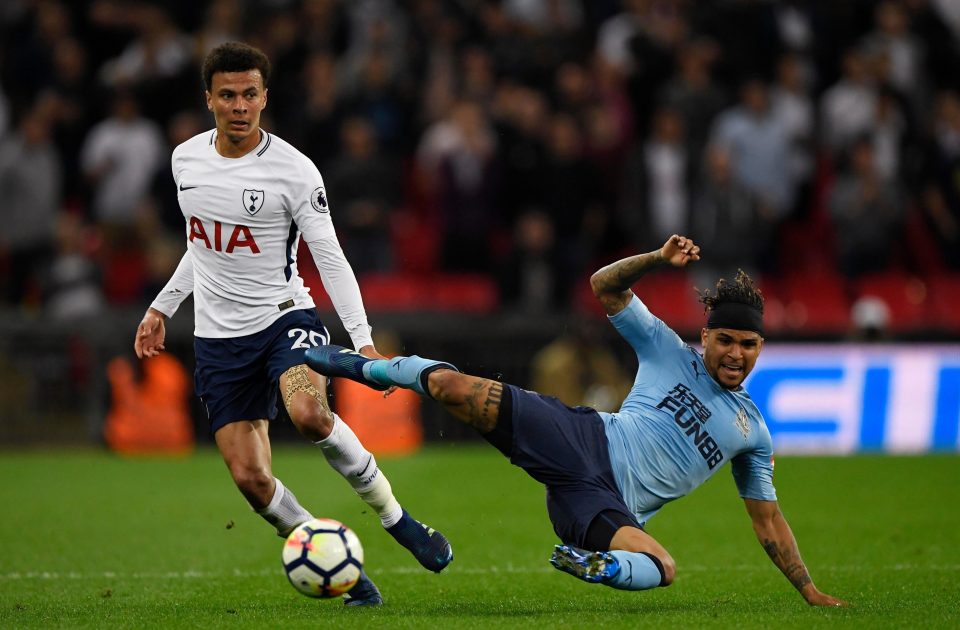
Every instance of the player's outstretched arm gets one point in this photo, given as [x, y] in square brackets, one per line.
[151, 334]
[611, 284]
[777, 540]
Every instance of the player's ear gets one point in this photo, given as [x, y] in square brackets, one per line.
[209, 100]
[703, 337]
[266, 92]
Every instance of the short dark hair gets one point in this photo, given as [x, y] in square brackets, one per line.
[235, 57]
[741, 290]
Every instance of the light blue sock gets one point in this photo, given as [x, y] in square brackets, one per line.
[376, 370]
[638, 572]
[402, 371]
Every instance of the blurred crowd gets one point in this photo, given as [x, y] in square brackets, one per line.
[525, 140]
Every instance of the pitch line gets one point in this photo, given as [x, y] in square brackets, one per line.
[489, 570]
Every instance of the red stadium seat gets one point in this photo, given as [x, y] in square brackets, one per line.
[583, 299]
[815, 303]
[466, 293]
[944, 302]
[774, 309]
[671, 296]
[905, 295]
[125, 276]
[408, 291]
[416, 243]
[917, 237]
[391, 292]
[462, 293]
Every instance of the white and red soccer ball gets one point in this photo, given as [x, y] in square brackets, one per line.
[323, 558]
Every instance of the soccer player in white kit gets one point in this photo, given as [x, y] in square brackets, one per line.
[247, 196]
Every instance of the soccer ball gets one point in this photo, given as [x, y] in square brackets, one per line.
[323, 558]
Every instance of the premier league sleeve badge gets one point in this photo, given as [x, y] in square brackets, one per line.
[319, 200]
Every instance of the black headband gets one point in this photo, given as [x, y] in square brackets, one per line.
[736, 316]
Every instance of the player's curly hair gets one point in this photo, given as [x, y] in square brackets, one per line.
[741, 290]
[235, 57]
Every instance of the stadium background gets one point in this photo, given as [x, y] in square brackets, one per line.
[482, 158]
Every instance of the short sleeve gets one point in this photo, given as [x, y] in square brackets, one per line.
[753, 473]
[647, 334]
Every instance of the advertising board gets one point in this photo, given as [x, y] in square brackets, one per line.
[849, 398]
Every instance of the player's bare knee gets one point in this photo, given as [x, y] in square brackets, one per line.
[667, 565]
[638, 541]
[313, 421]
[669, 569]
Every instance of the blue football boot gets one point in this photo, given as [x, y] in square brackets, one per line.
[589, 566]
[428, 546]
[364, 593]
[332, 360]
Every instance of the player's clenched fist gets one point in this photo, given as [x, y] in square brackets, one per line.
[679, 250]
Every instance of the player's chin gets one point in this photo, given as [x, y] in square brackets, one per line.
[732, 380]
[237, 133]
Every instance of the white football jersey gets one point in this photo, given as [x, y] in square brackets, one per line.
[244, 217]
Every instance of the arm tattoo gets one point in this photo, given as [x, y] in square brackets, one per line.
[771, 548]
[789, 562]
[492, 404]
[483, 405]
[621, 275]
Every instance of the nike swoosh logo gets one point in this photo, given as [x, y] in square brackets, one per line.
[369, 461]
[182, 187]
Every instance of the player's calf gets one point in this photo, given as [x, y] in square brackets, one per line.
[254, 481]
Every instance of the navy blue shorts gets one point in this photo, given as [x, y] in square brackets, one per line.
[237, 378]
[565, 449]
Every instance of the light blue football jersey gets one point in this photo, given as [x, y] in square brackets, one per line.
[678, 426]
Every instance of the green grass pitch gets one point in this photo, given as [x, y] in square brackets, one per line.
[92, 540]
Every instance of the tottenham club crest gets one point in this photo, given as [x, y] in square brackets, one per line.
[743, 423]
[319, 200]
[252, 201]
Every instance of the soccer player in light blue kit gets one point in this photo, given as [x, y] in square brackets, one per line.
[608, 473]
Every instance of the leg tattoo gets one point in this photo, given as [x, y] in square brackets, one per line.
[298, 380]
[482, 405]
